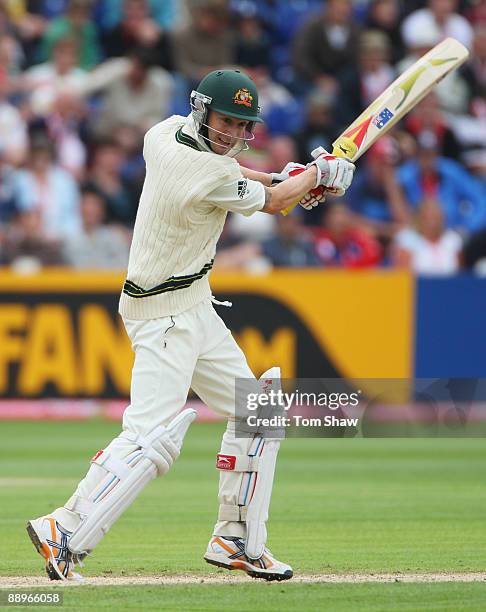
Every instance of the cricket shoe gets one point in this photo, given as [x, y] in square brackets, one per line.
[51, 541]
[230, 553]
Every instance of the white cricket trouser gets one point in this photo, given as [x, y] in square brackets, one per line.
[193, 349]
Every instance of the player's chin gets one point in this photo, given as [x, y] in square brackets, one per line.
[221, 147]
[218, 149]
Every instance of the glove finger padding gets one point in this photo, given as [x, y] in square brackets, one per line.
[313, 197]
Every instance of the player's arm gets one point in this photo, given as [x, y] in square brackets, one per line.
[273, 178]
[261, 177]
[288, 192]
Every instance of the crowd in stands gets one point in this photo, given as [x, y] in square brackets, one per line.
[82, 80]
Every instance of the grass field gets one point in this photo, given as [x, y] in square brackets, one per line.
[342, 507]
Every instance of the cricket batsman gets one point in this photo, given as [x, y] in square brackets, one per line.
[192, 181]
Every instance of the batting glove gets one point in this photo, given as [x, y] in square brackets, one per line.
[291, 169]
[313, 197]
[333, 173]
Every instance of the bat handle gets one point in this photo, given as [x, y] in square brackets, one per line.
[337, 152]
[315, 154]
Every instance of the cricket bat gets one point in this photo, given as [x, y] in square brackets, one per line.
[397, 100]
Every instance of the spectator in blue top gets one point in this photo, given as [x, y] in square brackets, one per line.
[109, 13]
[44, 186]
[291, 247]
[462, 197]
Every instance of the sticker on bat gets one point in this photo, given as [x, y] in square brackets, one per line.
[383, 118]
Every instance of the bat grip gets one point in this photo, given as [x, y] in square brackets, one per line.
[315, 154]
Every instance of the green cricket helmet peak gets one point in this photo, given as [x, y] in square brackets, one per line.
[231, 93]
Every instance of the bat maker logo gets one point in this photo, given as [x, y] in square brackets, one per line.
[383, 118]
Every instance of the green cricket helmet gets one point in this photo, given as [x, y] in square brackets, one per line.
[229, 92]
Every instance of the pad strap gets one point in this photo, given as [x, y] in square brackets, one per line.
[78, 504]
[235, 514]
[111, 464]
[143, 441]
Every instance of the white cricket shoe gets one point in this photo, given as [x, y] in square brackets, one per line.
[51, 541]
[230, 553]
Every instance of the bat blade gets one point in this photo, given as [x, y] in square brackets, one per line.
[397, 100]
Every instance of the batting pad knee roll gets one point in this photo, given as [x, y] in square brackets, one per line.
[152, 456]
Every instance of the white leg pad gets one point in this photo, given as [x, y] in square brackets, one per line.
[246, 480]
[153, 455]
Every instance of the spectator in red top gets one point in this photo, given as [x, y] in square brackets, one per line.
[476, 14]
[339, 242]
[427, 116]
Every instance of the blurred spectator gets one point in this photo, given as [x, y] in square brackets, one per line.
[255, 228]
[319, 128]
[129, 139]
[326, 44]
[285, 17]
[375, 195]
[74, 24]
[280, 110]
[428, 248]
[12, 57]
[44, 186]
[267, 153]
[291, 246]
[476, 14]
[46, 81]
[461, 196]
[32, 18]
[206, 43]
[26, 247]
[13, 131]
[364, 82]
[384, 16]
[427, 116]
[64, 125]
[253, 44]
[441, 18]
[105, 177]
[7, 196]
[236, 253]
[139, 98]
[31, 28]
[110, 13]
[474, 73]
[474, 253]
[97, 245]
[339, 242]
[138, 29]
[470, 129]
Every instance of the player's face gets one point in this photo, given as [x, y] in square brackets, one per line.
[224, 132]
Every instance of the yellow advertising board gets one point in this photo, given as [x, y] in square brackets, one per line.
[60, 335]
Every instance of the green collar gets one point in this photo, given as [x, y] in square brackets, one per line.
[187, 140]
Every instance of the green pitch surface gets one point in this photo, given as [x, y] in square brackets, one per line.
[341, 507]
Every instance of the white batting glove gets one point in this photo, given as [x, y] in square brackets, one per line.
[333, 173]
[291, 169]
[313, 197]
